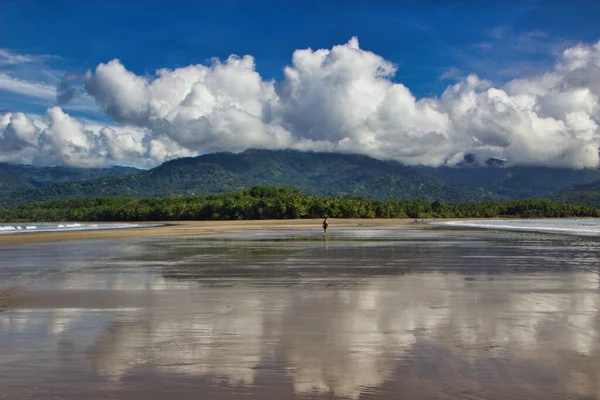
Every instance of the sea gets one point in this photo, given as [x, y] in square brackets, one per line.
[569, 226]
[64, 227]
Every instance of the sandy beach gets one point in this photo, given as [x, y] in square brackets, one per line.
[195, 228]
[269, 310]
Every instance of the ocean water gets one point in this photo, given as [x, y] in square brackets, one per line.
[64, 227]
[569, 226]
[409, 312]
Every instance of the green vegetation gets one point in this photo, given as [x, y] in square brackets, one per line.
[581, 195]
[320, 174]
[23, 177]
[268, 202]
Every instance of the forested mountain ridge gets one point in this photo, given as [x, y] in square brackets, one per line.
[322, 174]
[586, 194]
[15, 177]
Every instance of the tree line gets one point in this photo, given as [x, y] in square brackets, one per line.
[268, 202]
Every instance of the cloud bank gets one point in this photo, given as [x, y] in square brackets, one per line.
[339, 99]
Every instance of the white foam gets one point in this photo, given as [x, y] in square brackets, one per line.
[565, 226]
[65, 227]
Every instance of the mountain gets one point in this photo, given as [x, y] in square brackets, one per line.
[323, 174]
[516, 182]
[326, 174]
[588, 194]
[18, 177]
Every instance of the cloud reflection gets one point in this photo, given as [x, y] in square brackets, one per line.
[333, 338]
[333, 331]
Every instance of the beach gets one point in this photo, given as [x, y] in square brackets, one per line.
[195, 228]
[270, 309]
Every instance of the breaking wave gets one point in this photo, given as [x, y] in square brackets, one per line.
[587, 227]
[65, 227]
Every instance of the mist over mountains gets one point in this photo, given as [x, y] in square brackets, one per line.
[318, 173]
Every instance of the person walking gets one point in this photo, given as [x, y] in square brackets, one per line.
[325, 226]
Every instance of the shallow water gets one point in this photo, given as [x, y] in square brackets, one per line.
[413, 313]
[15, 228]
[571, 226]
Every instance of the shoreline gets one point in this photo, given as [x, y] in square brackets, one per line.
[201, 228]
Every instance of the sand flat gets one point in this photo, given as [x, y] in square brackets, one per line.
[193, 228]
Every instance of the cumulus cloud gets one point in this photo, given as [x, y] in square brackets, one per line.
[200, 108]
[65, 141]
[339, 99]
[18, 138]
[60, 139]
[345, 96]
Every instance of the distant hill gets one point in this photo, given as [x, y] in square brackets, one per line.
[18, 177]
[323, 174]
[588, 194]
[516, 182]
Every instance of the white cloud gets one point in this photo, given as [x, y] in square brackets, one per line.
[338, 99]
[65, 141]
[451, 73]
[18, 138]
[27, 88]
[59, 139]
[122, 146]
[47, 94]
[34, 78]
[9, 57]
[123, 94]
[201, 108]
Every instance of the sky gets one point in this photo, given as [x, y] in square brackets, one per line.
[99, 83]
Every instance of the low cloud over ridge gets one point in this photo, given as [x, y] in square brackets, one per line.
[339, 99]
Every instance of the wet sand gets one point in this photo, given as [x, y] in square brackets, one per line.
[195, 228]
[385, 309]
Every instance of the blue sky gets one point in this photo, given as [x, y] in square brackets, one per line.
[497, 40]
[432, 44]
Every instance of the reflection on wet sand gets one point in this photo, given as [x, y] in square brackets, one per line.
[386, 319]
